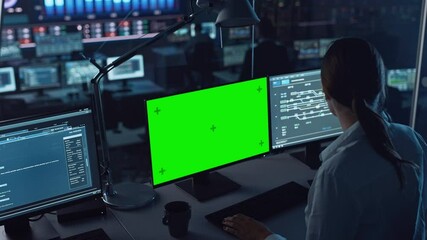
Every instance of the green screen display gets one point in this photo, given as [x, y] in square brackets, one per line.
[205, 129]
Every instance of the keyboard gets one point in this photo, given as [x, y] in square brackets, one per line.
[264, 205]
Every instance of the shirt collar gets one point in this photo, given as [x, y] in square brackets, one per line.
[351, 134]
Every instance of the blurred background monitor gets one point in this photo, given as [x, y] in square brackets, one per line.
[131, 69]
[181, 35]
[38, 77]
[42, 11]
[79, 72]
[402, 79]
[207, 28]
[239, 33]
[10, 51]
[307, 49]
[52, 45]
[234, 55]
[7, 80]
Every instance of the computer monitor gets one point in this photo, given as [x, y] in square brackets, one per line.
[57, 45]
[234, 55]
[205, 130]
[79, 72]
[239, 33]
[54, 11]
[300, 113]
[208, 28]
[48, 162]
[38, 77]
[402, 79]
[307, 49]
[10, 51]
[7, 80]
[131, 69]
[180, 35]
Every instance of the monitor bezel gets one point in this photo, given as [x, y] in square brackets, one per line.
[261, 155]
[298, 144]
[60, 202]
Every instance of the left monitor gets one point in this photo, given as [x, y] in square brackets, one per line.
[47, 162]
[191, 134]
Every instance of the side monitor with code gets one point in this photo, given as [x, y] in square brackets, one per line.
[196, 132]
[299, 111]
[47, 162]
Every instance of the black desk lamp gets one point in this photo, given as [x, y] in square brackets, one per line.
[231, 13]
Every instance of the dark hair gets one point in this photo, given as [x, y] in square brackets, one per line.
[353, 74]
[198, 27]
[266, 28]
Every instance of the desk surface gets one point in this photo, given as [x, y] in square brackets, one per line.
[255, 176]
[107, 222]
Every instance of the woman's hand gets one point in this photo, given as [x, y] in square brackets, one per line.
[245, 228]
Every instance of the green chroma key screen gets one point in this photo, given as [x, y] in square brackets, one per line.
[205, 129]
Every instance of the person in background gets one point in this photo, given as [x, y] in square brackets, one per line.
[200, 56]
[270, 57]
[371, 183]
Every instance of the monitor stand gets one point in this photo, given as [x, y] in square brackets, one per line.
[43, 99]
[125, 87]
[21, 228]
[205, 186]
[311, 155]
[41, 95]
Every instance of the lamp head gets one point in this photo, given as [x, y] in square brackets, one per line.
[231, 13]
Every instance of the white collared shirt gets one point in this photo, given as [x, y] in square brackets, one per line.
[356, 193]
